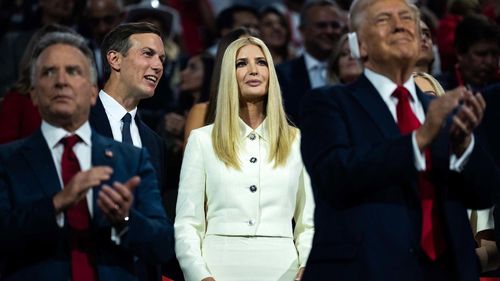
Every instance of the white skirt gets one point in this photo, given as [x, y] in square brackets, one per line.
[238, 258]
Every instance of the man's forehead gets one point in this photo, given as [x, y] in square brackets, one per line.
[318, 12]
[244, 18]
[389, 5]
[485, 45]
[149, 39]
[99, 5]
[59, 50]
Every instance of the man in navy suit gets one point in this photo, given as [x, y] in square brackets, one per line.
[321, 24]
[134, 57]
[391, 194]
[75, 205]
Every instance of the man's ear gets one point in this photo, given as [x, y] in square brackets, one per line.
[363, 51]
[114, 59]
[93, 95]
[302, 30]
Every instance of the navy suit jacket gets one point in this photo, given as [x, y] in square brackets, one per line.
[489, 126]
[490, 137]
[32, 245]
[294, 82]
[368, 216]
[150, 140]
[156, 147]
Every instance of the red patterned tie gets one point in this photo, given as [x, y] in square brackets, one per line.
[78, 218]
[431, 241]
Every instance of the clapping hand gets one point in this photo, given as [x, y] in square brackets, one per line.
[115, 202]
[467, 118]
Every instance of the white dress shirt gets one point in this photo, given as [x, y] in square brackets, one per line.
[115, 112]
[257, 200]
[385, 88]
[316, 70]
[82, 149]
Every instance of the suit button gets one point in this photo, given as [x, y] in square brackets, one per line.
[251, 222]
[411, 251]
[251, 136]
[253, 188]
[253, 160]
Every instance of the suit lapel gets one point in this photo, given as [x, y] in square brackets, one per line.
[301, 72]
[370, 100]
[99, 120]
[102, 155]
[37, 154]
[147, 140]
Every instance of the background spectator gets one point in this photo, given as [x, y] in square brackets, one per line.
[321, 24]
[274, 31]
[456, 11]
[342, 67]
[13, 44]
[99, 18]
[233, 17]
[477, 48]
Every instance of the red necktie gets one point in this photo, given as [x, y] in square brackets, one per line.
[78, 218]
[431, 240]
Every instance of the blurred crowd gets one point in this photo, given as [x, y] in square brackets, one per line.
[308, 41]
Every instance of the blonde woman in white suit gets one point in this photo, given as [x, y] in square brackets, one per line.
[243, 181]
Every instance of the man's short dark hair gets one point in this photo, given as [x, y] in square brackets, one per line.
[225, 19]
[474, 29]
[118, 39]
[311, 4]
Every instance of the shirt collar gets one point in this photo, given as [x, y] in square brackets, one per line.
[311, 62]
[113, 108]
[261, 130]
[386, 87]
[53, 135]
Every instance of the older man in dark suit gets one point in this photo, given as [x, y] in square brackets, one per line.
[391, 175]
[75, 205]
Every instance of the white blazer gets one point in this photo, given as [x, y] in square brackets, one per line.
[257, 200]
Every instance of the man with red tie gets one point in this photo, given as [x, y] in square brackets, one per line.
[75, 205]
[392, 169]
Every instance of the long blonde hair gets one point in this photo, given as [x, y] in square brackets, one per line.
[226, 132]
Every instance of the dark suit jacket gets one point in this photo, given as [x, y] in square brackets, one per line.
[489, 129]
[294, 83]
[368, 216]
[32, 245]
[156, 147]
[150, 140]
[490, 136]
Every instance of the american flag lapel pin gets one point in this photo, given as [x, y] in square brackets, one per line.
[108, 153]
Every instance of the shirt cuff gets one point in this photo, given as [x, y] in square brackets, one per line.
[60, 220]
[117, 235]
[485, 219]
[458, 164]
[418, 156]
